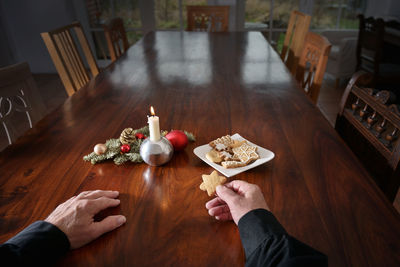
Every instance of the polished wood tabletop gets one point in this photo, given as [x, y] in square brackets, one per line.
[212, 85]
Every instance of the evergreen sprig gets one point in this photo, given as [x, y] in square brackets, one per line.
[190, 136]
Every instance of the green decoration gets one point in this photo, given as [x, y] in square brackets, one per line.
[114, 149]
[190, 136]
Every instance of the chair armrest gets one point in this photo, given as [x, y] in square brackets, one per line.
[335, 37]
[346, 59]
[348, 48]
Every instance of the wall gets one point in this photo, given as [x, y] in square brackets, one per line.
[22, 22]
[386, 9]
[7, 53]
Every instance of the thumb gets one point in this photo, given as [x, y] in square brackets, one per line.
[226, 194]
[108, 224]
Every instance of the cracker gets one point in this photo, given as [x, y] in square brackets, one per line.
[210, 182]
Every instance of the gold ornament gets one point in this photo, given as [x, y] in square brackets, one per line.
[100, 149]
[127, 136]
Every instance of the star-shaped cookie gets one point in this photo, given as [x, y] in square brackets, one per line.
[210, 182]
[246, 153]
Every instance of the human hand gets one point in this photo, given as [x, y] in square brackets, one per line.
[75, 216]
[234, 200]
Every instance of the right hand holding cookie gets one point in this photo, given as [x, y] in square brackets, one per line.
[234, 200]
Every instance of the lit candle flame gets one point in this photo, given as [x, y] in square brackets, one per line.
[152, 111]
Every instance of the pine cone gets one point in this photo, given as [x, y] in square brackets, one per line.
[127, 136]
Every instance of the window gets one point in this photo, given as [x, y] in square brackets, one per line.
[349, 14]
[171, 14]
[336, 14]
[325, 14]
[257, 14]
[101, 11]
[282, 11]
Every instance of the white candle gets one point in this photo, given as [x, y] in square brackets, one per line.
[154, 126]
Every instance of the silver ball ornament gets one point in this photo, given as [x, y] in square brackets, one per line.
[100, 149]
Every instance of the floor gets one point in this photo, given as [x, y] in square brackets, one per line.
[329, 98]
[53, 95]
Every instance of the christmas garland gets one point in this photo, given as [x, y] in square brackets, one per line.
[126, 148]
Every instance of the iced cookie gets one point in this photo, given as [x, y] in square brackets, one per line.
[232, 164]
[222, 144]
[246, 153]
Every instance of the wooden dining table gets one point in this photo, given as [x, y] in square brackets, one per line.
[210, 84]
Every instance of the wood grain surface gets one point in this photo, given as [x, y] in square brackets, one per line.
[212, 85]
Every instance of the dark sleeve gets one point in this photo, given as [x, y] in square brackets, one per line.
[40, 244]
[266, 243]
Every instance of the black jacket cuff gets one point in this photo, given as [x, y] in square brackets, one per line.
[255, 226]
[40, 243]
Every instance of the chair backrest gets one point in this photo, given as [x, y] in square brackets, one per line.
[297, 29]
[311, 68]
[208, 18]
[370, 44]
[117, 41]
[66, 56]
[369, 123]
[20, 103]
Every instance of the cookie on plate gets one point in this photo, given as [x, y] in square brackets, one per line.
[246, 153]
[214, 156]
[225, 155]
[232, 164]
[222, 144]
[237, 143]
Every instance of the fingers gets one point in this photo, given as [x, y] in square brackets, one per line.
[107, 224]
[224, 217]
[226, 194]
[219, 209]
[99, 204]
[239, 186]
[215, 202]
[97, 194]
[216, 211]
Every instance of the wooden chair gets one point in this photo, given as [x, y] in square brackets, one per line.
[208, 18]
[373, 56]
[20, 104]
[117, 41]
[312, 64]
[369, 123]
[297, 29]
[370, 44]
[66, 57]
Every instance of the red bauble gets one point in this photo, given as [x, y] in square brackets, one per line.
[140, 136]
[178, 139]
[125, 148]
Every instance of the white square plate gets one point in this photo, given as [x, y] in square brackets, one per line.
[265, 156]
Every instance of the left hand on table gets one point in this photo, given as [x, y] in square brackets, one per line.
[75, 216]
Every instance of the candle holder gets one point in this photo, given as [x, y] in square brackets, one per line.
[156, 153]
